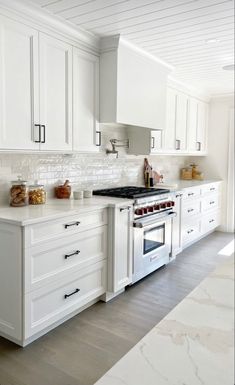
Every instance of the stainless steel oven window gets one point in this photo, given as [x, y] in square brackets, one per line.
[153, 238]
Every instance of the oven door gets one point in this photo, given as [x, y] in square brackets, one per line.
[152, 245]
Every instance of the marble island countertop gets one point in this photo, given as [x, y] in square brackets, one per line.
[192, 345]
[56, 208]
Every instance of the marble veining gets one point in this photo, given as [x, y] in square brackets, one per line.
[192, 345]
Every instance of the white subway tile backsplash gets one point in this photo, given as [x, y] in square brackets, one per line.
[84, 170]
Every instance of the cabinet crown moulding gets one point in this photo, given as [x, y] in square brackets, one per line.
[111, 43]
[35, 15]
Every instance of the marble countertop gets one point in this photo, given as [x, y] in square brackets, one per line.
[182, 184]
[192, 345]
[56, 208]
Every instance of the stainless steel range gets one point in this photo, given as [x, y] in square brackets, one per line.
[152, 226]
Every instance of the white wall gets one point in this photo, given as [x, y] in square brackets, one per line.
[215, 165]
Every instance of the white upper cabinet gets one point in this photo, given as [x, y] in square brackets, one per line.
[55, 94]
[192, 124]
[18, 85]
[181, 121]
[202, 122]
[169, 133]
[133, 86]
[197, 125]
[86, 134]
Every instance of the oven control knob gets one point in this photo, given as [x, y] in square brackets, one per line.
[139, 211]
[163, 205]
[172, 203]
[157, 207]
[145, 210]
[150, 209]
[169, 204]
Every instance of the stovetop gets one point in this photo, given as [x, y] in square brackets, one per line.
[131, 192]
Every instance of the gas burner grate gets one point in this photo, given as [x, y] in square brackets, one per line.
[131, 192]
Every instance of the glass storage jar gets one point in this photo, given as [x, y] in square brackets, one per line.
[37, 194]
[19, 193]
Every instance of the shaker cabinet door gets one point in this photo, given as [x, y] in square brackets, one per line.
[202, 125]
[169, 132]
[122, 247]
[55, 94]
[18, 86]
[192, 124]
[86, 135]
[181, 121]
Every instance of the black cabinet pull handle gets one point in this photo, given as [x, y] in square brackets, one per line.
[70, 255]
[190, 210]
[212, 188]
[198, 146]
[99, 137]
[178, 144]
[212, 220]
[44, 133]
[190, 194]
[39, 135]
[153, 142]
[212, 202]
[73, 292]
[72, 224]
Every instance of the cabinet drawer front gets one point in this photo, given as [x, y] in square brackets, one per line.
[210, 188]
[191, 208]
[52, 303]
[191, 193]
[210, 222]
[210, 202]
[191, 231]
[44, 264]
[62, 227]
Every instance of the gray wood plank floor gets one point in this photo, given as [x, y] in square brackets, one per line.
[81, 350]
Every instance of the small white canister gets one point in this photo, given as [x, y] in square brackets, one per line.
[88, 193]
[78, 194]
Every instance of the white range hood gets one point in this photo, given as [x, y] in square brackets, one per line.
[132, 85]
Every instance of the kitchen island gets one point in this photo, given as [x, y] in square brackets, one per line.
[192, 345]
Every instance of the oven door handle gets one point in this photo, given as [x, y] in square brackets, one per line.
[144, 223]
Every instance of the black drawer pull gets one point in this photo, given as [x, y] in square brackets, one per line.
[212, 188]
[72, 224]
[212, 220]
[70, 255]
[212, 202]
[189, 194]
[69, 295]
[99, 138]
[190, 210]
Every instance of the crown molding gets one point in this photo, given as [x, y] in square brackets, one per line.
[41, 19]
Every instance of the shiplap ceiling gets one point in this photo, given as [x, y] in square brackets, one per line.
[177, 31]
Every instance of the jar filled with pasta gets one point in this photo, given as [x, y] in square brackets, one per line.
[37, 194]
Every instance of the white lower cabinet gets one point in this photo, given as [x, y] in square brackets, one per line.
[52, 303]
[54, 268]
[200, 212]
[120, 248]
